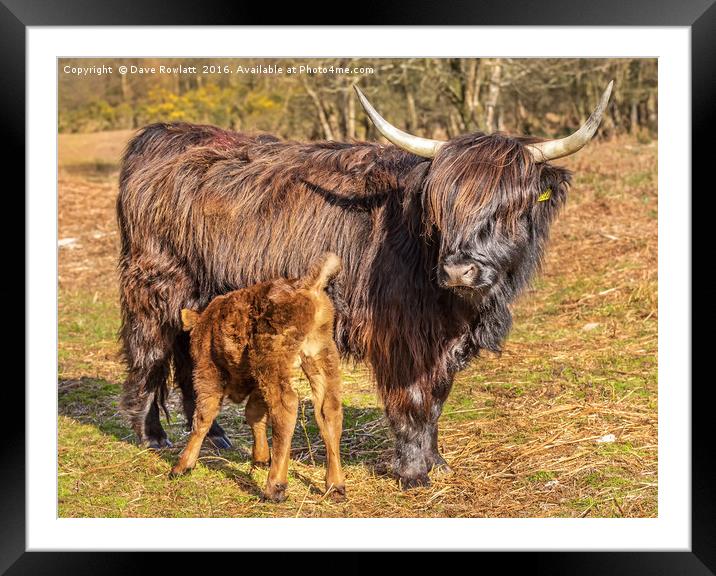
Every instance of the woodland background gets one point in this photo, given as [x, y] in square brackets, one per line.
[438, 98]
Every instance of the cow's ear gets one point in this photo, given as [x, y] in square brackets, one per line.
[554, 182]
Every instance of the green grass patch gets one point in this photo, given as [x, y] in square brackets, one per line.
[87, 391]
[541, 476]
[583, 504]
[608, 477]
[87, 318]
[641, 179]
[620, 449]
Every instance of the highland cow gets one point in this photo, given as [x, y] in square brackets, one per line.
[245, 344]
[436, 239]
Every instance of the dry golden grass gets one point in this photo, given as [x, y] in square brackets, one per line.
[99, 152]
[520, 431]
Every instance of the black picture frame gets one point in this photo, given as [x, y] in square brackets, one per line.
[699, 15]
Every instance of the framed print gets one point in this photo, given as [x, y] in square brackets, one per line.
[478, 252]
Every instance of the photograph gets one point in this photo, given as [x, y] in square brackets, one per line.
[357, 287]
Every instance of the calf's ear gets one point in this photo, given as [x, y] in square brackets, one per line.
[188, 319]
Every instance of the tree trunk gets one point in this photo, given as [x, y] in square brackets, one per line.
[335, 122]
[320, 109]
[413, 127]
[350, 114]
[652, 112]
[470, 92]
[126, 89]
[493, 97]
[454, 128]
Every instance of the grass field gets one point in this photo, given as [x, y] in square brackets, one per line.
[524, 432]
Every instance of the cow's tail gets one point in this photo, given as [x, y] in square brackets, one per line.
[322, 271]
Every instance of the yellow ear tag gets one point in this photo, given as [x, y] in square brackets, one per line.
[545, 195]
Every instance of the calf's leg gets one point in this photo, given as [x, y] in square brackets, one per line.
[323, 373]
[273, 379]
[183, 377]
[257, 417]
[209, 394]
[283, 413]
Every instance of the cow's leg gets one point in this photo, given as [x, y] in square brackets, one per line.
[433, 458]
[183, 377]
[413, 413]
[409, 463]
[155, 434]
[145, 385]
[323, 373]
[257, 417]
[153, 289]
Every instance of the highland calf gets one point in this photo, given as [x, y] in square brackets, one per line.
[246, 344]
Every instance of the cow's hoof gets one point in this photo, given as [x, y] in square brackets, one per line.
[409, 482]
[441, 467]
[220, 442]
[275, 492]
[158, 443]
[337, 493]
[385, 468]
[261, 463]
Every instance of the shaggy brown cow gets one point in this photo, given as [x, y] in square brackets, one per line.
[246, 343]
[437, 239]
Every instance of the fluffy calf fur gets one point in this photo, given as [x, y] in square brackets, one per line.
[246, 343]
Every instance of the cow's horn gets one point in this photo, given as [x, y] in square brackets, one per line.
[421, 146]
[551, 149]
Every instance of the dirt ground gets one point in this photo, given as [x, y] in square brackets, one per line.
[563, 424]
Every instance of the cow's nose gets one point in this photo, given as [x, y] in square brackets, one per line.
[462, 274]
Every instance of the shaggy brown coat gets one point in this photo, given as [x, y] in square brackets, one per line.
[203, 211]
[246, 343]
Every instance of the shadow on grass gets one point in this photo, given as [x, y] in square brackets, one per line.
[93, 169]
[365, 439]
